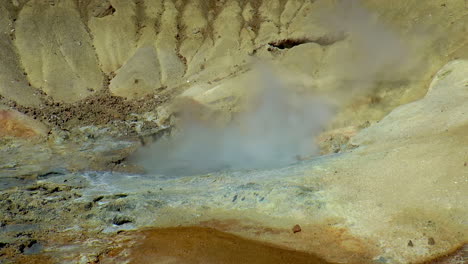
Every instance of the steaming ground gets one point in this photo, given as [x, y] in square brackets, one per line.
[276, 128]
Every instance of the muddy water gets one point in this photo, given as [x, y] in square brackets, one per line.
[187, 245]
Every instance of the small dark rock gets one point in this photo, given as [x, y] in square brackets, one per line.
[88, 206]
[49, 174]
[23, 234]
[119, 206]
[120, 220]
[99, 198]
[410, 244]
[33, 188]
[296, 229]
[431, 241]
[234, 198]
[120, 195]
[21, 248]
[382, 260]
[89, 216]
[33, 247]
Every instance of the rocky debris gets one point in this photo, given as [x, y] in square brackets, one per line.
[119, 116]
[58, 218]
[24, 214]
[88, 148]
[121, 220]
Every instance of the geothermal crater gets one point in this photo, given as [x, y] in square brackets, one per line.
[233, 131]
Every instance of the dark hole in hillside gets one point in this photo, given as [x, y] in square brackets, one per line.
[106, 12]
[288, 43]
[322, 41]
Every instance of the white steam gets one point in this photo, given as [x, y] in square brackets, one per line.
[276, 129]
[373, 51]
[278, 126]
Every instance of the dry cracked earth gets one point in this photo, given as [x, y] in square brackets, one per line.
[86, 83]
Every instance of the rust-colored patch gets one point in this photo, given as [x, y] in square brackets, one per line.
[457, 256]
[326, 240]
[15, 124]
[234, 224]
[204, 245]
[34, 259]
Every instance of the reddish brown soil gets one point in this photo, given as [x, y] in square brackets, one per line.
[187, 245]
[459, 256]
[16, 125]
[202, 245]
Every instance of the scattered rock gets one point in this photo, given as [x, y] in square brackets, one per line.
[33, 247]
[410, 243]
[296, 229]
[120, 220]
[21, 248]
[431, 241]
[88, 206]
[119, 205]
[99, 198]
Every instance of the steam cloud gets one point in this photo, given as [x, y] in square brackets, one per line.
[278, 126]
[276, 129]
[374, 51]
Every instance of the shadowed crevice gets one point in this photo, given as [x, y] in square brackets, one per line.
[293, 42]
